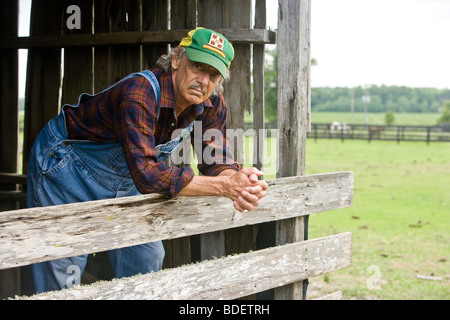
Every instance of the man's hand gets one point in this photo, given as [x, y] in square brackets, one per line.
[245, 189]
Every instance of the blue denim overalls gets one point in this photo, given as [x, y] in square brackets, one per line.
[63, 171]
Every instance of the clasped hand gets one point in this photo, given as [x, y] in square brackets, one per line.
[246, 190]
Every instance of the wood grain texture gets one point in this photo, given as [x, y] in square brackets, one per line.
[225, 278]
[39, 234]
[131, 37]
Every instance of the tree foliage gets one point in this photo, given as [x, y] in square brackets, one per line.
[383, 98]
[445, 113]
[398, 99]
[389, 117]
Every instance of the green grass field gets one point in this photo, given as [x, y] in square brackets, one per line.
[400, 218]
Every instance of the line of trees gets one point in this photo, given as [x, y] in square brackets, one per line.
[382, 98]
[397, 99]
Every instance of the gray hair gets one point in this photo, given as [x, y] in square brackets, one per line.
[165, 63]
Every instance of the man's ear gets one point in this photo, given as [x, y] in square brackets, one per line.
[175, 61]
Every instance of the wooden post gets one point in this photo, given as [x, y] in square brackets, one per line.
[237, 14]
[258, 87]
[113, 63]
[43, 73]
[9, 111]
[9, 105]
[183, 13]
[232, 14]
[293, 113]
[154, 17]
[78, 62]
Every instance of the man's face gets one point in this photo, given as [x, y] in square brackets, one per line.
[193, 82]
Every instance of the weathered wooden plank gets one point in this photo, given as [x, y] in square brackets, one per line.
[155, 18]
[258, 87]
[293, 116]
[39, 234]
[43, 73]
[13, 178]
[78, 61]
[210, 15]
[260, 36]
[9, 123]
[230, 277]
[293, 85]
[185, 12]
[9, 105]
[112, 63]
[178, 251]
[12, 195]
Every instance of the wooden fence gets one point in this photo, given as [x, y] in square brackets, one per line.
[379, 132]
[40, 234]
[115, 38]
[128, 36]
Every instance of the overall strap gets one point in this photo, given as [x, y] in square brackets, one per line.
[146, 74]
[154, 82]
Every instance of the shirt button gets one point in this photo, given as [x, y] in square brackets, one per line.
[172, 124]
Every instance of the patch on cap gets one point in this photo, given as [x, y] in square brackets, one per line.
[215, 44]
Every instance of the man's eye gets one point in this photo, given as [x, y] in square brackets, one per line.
[215, 75]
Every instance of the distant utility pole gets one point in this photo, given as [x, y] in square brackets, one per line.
[352, 104]
[366, 100]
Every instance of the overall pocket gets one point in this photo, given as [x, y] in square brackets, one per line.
[77, 173]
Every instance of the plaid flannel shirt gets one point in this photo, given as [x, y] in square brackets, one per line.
[127, 114]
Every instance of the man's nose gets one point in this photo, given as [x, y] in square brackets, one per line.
[203, 78]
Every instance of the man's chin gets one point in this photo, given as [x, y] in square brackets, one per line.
[197, 98]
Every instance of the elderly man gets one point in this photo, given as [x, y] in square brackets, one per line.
[115, 143]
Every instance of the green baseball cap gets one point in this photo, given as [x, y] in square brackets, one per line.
[210, 47]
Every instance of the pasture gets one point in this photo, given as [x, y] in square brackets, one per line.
[400, 218]
[374, 118]
[411, 119]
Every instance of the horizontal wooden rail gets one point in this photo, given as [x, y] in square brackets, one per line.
[39, 234]
[258, 36]
[14, 178]
[11, 180]
[13, 195]
[225, 278]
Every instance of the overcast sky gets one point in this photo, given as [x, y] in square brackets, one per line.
[359, 42]
[391, 42]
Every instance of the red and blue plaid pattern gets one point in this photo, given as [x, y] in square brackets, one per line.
[127, 114]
